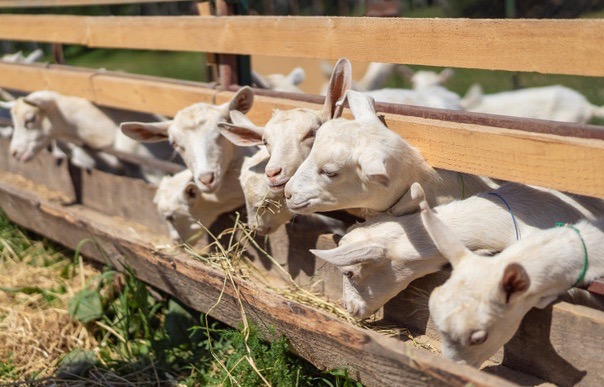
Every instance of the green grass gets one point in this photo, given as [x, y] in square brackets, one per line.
[179, 65]
[142, 336]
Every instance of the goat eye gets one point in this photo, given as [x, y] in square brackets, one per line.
[170, 218]
[478, 337]
[348, 274]
[327, 173]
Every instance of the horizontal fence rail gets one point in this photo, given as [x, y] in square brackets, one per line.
[546, 46]
[70, 3]
[565, 163]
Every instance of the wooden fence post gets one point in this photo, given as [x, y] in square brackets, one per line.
[233, 69]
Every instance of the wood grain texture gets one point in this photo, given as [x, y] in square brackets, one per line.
[43, 169]
[69, 3]
[546, 46]
[563, 163]
[562, 343]
[322, 339]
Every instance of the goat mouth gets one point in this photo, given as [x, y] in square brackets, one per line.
[25, 157]
[277, 186]
[298, 206]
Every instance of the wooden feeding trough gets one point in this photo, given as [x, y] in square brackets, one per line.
[560, 344]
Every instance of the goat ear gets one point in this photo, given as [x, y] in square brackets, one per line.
[374, 169]
[242, 131]
[34, 56]
[297, 76]
[514, 281]
[473, 97]
[340, 81]
[352, 253]
[446, 242]
[243, 100]
[405, 71]
[7, 104]
[39, 101]
[445, 75]
[362, 106]
[146, 131]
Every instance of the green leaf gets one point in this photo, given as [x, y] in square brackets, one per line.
[76, 363]
[86, 306]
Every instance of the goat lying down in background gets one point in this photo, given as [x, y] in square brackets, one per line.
[382, 256]
[481, 305]
[279, 82]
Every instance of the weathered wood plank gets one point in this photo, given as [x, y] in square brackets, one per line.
[317, 336]
[70, 3]
[547, 46]
[128, 198]
[43, 169]
[562, 343]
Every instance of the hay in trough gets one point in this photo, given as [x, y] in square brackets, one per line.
[226, 252]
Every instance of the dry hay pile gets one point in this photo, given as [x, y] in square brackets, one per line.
[36, 330]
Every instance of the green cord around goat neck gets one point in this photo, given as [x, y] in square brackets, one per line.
[463, 186]
[585, 260]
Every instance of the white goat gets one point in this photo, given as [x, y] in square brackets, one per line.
[266, 211]
[428, 92]
[375, 76]
[289, 135]
[44, 116]
[556, 103]
[382, 256]
[186, 208]
[18, 57]
[422, 80]
[279, 82]
[194, 134]
[481, 305]
[361, 164]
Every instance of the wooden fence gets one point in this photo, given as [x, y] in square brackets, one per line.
[568, 157]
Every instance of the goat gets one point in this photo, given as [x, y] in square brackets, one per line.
[481, 305]
[382, 256]
[375, 76]
[195, 135]
[186, 209]
[556, 103]
[44, 116]
[289, 135]
[279, 82]
[266, 211]
[360, 164]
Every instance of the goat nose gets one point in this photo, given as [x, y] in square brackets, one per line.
[272, 172]
[14, 153]
[206, 178]
[287, 193]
